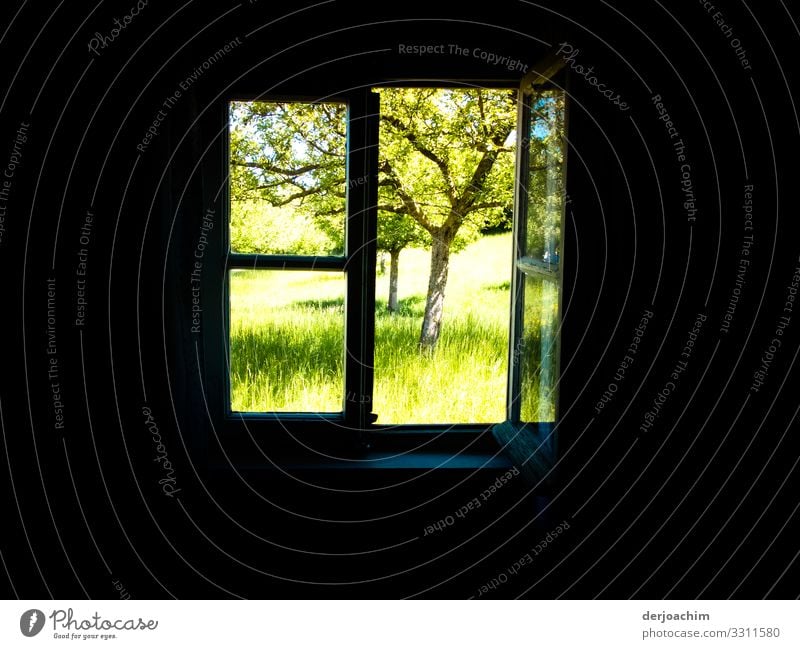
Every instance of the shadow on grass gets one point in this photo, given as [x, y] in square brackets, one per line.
[413, 306]
[324, 304]
[502, 286]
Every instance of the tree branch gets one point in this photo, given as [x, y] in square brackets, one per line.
[486, 206]
[477, 182]
[295, 196]
[395, 209]
[289, 173]
[482, 110]
[408, 201]
[325, 151]
[428, 153]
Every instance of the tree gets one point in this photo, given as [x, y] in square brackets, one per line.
[396, 232]
[445, 165]
[293, 156]
[450, 168]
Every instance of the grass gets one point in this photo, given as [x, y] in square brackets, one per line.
[287, 340]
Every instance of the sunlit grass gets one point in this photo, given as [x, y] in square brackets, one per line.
[465, 379]
[287, 340]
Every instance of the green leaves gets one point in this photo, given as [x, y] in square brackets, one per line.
[446, 162]
[451, 151]
[292, 156]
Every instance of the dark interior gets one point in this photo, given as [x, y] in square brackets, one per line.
[254, 513]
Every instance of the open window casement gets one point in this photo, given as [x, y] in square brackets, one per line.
[528, 436]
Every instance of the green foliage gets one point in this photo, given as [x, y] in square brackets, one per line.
[290, 152]
[290, 156]
[257, 227]
[446, 173]
[432, 142]
[398, 231]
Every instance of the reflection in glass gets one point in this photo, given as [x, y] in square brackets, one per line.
[286, 341]
[539, 261]
[538, 360]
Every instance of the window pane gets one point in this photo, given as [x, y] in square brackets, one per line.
[286, 340]
[446, 193]
[539, 261]
[545, 181]
[287, 177]
[538, 349]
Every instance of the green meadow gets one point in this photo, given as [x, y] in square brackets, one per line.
[287, 340]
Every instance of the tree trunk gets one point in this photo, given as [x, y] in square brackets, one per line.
[394, 272]
[434, 305]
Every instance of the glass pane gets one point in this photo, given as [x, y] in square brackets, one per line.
[286, 340]
[545, 182]
[539, 349]
[287, 177]
[445, 255]
[539, 262]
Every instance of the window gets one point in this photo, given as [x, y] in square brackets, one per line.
[298, 340]
[394, 258]
[537, 279]
[286, 283]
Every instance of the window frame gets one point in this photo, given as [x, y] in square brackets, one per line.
[528, 86]
[324, 437]
[357, 262]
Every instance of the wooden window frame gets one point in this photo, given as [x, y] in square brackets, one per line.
[349, 437]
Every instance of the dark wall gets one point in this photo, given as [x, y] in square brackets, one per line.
[681, 502]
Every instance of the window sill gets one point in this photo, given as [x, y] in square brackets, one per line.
[418, 450]
[380, 462]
